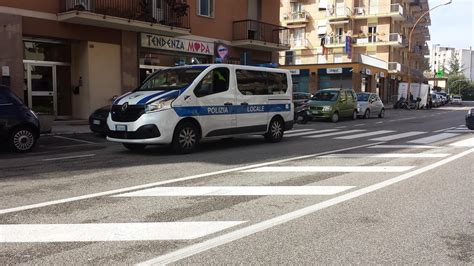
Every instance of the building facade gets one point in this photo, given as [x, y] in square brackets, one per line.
[70, 57]
[441, 56]
[362, 44]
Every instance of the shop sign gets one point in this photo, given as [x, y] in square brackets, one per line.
[294, 71]
[382, 74]
[334, 70]
[176, 44]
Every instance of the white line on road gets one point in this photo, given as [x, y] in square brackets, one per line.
[368, 134]
[259, 227]
[297, 130]
[434, 138]
[399, 136]
[403, 147]
[359, 125]
[460, 131]
[335, 134]
[310, 133]
[181, 179]
[464, 143]
[46, 233]
[381, 122]
[77, 140]
[387, 155]
[441, 130]
[329, 169]
[237, 191]
[68, 157]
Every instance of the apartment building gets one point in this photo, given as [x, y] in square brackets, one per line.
[441, 56]
[361, 44]
[72, 56]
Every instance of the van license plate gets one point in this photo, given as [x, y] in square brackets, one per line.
[120, 127]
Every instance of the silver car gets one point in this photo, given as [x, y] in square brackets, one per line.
[370, 104]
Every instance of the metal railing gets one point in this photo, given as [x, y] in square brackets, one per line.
[299, 42]
[171, 13]
[337, 11]
[302, 15]
[335, 40]
[378, 10]
[380, 38]
[260, 31]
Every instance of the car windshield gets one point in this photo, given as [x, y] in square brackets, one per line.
[362, 97]
[171, 79]
[326, 96]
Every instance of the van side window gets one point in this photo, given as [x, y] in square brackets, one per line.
[252, 82]
[216, 81]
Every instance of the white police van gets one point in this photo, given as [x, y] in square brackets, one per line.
[181, 105]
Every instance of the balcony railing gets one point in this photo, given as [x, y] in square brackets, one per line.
[338, 40]
[173, 13]
[293, 17]
[260, 31]
[393, 10]
[394, 39]
[299, 43]
[334, 12]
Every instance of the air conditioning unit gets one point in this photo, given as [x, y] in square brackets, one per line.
[359, 11]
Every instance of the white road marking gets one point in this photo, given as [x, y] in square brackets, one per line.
[237, 191]
[387, 155]
[460, 131]
[403, 147]
[310, 133]
[77, 140]
[359, 125]
[46, 233]
[441, 130]
[368, 134]
[68, 157]
[434, 138]
[329, 169]
[341, 127]
[464, 143]
[297, 130]
[335, 134]
[181, 179]
[379, 122]
[399, 136]
[282, 219]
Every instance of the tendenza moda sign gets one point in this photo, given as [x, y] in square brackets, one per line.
[176, 44]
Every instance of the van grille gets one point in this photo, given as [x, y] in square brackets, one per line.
[130, 114]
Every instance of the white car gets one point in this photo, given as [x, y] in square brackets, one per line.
[456, 100]
[182, 105]
[369, 105]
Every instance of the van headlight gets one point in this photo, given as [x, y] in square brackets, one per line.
[159, 105]
[327, 108]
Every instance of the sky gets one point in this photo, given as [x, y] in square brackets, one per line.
[452, 25]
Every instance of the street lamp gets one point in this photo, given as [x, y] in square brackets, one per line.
[409, 43]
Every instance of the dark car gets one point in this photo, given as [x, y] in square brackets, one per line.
[470, 119]
[98, 120]
[19, 126]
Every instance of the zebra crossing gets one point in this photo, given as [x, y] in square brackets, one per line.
[424, 137]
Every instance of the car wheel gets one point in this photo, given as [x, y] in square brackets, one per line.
[275, 130]
[335, 117]
[382, 113]
[185, 138]
[367, 114]
[22, 139]
[134, 147]
[354, 115]
[470, 127]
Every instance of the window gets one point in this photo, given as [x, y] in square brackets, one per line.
[251, 82]
[205, 8]
[171, 79]
[296, 7]
[343, 96]
[216, 81]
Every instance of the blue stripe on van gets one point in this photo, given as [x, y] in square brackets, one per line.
[146, 99]
[230, 110]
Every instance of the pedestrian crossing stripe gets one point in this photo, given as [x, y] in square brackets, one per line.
[368, 134]
[386, 155]
[434, 138]
[333, 169]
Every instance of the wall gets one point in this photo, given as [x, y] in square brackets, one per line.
[80, 69]
[11, 51]
[129, 50]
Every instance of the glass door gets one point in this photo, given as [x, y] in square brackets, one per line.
[41, 82]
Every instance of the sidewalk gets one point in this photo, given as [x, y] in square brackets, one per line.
[69, 127]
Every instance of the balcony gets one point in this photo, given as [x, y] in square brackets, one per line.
[335, 41]
[299, 44]
[409, 22]
[337, 12]
[302, 17]
[394, 67]
[394, 11]
[392, 39]
[171, 19]
[253, 34]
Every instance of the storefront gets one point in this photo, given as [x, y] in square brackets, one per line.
[158, 52]
[335, 78]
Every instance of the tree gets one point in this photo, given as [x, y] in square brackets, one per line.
[454, 65]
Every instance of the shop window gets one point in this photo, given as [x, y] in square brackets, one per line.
[251, 82]
[216, 81]
[42, 51]
[205, 8]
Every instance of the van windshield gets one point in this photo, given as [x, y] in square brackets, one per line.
[171, 79]
[326, 96]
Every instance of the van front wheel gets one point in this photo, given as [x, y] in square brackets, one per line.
[185, 138]
[275, 130]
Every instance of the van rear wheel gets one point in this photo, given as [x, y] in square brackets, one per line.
[275, 130]
[185, 138]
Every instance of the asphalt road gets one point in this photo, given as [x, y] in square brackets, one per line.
[396, 190]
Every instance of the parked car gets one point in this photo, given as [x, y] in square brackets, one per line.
[436, 100]
[470, 119]
[456, 99]
[370, 104]
[333, 104]
[19, 125]
[98, 120]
